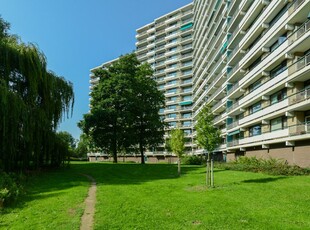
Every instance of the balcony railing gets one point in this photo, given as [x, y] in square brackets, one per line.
[233, 125]
[298, 65]
[299, 96]
[299, 129]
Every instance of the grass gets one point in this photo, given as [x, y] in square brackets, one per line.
[132, 196]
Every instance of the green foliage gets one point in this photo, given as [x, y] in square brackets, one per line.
[208, 136]
[125, 108]
[33, 101]
[270, 166]
[194, 160]
[10, 188]
[177, 142]
[82, 146]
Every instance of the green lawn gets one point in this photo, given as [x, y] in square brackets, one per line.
[132, 196]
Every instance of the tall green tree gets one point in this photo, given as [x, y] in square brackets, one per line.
[83, 146]
[124, 109]
[147, 127]
[208, 137]
[33, 101]
[177, 144]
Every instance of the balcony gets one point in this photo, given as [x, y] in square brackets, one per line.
[265, 137]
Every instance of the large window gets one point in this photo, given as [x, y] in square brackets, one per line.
[172, 107]
[256, 107]
[172, 82]
[255, 130]
[280, 40]
[187, 123]
[186, 115]
[187, 89]
[255, 85]
[255, 63]
[278, 69]
[187, 98]
[172, 90]
[172, 115]
[278, 123]
[172, 74]
[278, 96]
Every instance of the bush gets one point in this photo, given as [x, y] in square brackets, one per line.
[270, 166]
[194, 160]
[10, 188]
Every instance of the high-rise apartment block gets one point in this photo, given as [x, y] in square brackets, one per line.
[248, 59]
[166, 44]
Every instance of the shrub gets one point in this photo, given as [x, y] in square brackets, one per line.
[270, 166]
[194, 160]
[10, 188]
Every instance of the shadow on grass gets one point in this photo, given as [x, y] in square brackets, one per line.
[106, 173]
[54, 183]
[264, 180]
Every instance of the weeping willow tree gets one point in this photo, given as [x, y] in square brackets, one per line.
[33, 101]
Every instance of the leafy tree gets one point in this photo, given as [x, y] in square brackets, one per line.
[82, 146]
[208, 137]
[147, 101]
[33, 101]
[68, 140]
[125, 108]
[177, 144]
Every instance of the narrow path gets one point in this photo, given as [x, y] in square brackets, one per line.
[87, 220]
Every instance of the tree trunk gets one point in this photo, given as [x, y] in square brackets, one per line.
[179, 166]
[212, 173]
[141, 153]
[114, 145]
[208, 172]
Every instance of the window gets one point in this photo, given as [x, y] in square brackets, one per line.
[255, 108]
[161, 86]
[173, 65]
[255, 85]
[189, 80]
[172, 82]
[173, 48]
[278, 69]
[186, 115]
[187, 72]
[172, 107]
[187, 63]
[255, 130]
[278, 123]
[188, 89]
[173, 40]
[172, 74]
[255, 63]
[187, 98]
[280, 40]
[187, 132]
[187, 123]
[172, 90]
[161, 110]
[172, 115]
[172, 57]
[278, 96]
[172, 124]
[279, 15]
[172, 98]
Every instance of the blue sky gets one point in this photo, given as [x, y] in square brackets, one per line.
[77, 35]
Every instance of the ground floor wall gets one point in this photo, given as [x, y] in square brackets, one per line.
[136, 159]
[296, 155]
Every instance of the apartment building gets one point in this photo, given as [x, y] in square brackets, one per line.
[166, 44]
[248, 59]
[253, 69]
